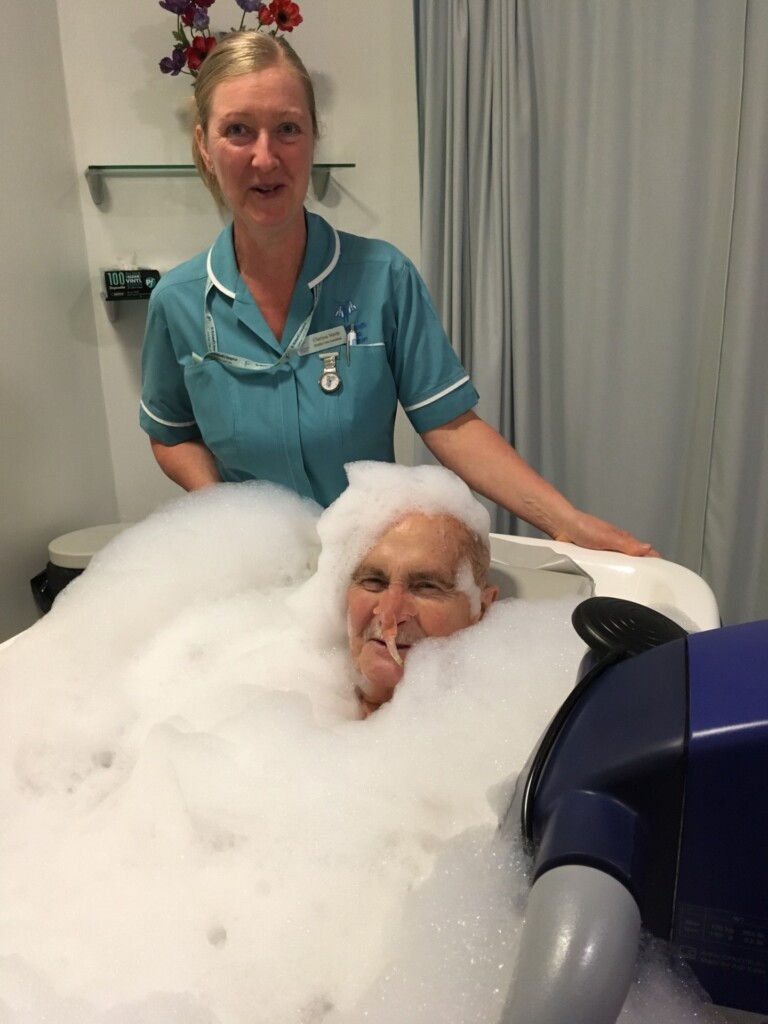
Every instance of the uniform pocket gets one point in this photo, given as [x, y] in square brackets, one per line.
[212, 391]
[368, 403]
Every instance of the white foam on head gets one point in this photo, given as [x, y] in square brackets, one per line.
[465, 584]
[380, 494]
[197, 826]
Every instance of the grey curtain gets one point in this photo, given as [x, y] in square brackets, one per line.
[594, 231]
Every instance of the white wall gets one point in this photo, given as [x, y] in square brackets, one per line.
[55, 464]
[123, 110]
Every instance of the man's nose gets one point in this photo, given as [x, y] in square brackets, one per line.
[395, 605]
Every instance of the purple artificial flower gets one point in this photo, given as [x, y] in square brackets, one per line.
[175, 6]
[172, 65]
[249, 6]
[200, 19]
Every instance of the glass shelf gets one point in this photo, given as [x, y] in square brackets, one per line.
[95, 174]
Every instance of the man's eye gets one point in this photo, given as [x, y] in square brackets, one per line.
[372, 583]
[427, 586]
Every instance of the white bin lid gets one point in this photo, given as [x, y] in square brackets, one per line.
[75, 550]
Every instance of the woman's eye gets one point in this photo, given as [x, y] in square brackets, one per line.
[235, 131]
[289, 129]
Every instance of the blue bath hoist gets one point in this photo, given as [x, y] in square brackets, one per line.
[646, 805]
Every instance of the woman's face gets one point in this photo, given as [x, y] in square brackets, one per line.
[260, 144]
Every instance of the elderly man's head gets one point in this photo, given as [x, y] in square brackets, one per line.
[404, 555]
[425, 576]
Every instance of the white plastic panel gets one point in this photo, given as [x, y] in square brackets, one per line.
[666, 586]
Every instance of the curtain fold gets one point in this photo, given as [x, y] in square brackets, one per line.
[474, 156]
[593, 232]
[735, 549]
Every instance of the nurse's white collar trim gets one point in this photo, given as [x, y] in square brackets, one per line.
[312, 284]
[334, 260]
[214, 280]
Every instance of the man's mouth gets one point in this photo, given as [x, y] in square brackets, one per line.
[396, 648]
[383, 643]
[394, 651]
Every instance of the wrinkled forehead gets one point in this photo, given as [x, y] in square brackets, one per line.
[423, 540]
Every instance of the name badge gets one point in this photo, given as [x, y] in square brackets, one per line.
[322, 339]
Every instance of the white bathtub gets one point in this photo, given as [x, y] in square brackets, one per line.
[535, 569]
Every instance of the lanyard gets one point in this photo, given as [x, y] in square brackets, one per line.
[295, 345]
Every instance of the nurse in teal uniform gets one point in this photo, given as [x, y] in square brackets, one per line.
[282, 352]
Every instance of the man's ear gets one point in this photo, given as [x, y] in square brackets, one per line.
[487, 597]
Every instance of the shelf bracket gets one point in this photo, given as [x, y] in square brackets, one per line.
[95, 184]
[321, 177]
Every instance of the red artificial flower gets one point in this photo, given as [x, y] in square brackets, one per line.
[285, 14]
[198, 51]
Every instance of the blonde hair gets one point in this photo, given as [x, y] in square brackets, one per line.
[240, 53]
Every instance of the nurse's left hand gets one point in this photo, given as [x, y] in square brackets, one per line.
[590, 532]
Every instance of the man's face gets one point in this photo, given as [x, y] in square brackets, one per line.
[405, 588]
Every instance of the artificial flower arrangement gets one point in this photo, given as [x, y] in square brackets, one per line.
[194, 39]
